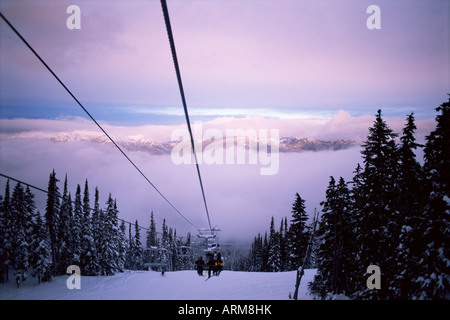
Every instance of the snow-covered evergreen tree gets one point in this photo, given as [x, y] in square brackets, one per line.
[379, 218]
[137, 252]
[5, 234]
[87, 252]
[334, 255]
[77, 227]
[435, 264]
[265, 253]
[66, 243]
[110, 244]
[298, 233]
[122, 247]
[52, 219]
[256, 254]
[96, 225]
[274, 262]
[22, 229]
[151, 240]
[173, 249]
[129, 256]
[411, 213]
[41, 261]
[283, 234]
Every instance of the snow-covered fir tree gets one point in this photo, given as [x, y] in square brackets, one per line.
[65, 234]
[77, 227]
[274, 262]
[412, 198]
[379, 220]
[334, 254]
[298, 232]
[151, 240]
[88, 263]
[5, 234]
[137, 252]
[41, 256]
[96, 225]
[22, 229]
[52, 219]
[110, 245]
[435, 263]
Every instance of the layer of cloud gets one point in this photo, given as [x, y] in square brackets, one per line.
[341, 125]
[241, 201]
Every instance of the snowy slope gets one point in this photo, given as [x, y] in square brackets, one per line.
[180, 285]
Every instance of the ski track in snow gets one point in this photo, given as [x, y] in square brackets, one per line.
[179, 285]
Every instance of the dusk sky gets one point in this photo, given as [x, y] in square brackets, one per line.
[307, 68]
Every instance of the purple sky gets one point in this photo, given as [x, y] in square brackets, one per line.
[267, 56]
[307, 68]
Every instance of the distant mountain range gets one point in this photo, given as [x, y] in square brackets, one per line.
[292, 144]
[141, 143]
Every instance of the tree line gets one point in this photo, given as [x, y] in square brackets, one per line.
[283, 248]
[75, 233]
[394, 213]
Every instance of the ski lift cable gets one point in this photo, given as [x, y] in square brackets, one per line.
[73, 202]
[90, 116]
[180, 85]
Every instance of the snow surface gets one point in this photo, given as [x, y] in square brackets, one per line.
[179, 285]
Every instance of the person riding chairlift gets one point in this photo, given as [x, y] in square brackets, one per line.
[211, 266]
[200, 264]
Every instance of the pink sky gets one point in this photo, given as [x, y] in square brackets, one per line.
[299, 55]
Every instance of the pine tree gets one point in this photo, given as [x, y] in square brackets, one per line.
[77, 227]
[435, 264]
[21, 225]
[122, 247]
[138, 254]
[129, 256]
[52, 219]
[30, 210]
[357, 203]
[41, 251]
[5, 235]
[265, 253]
[283, 245]
[274, 258]
[173, 249]
[87, 254]
[111, 244]
[411, 211]
[165, 244]
[151, 240]
[298, 233]
[379, 219]
[65, 229]
[256, 254]
[335, 257]
[96, 225]
[2, 243]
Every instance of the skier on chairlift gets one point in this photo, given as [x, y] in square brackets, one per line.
[211, 266]
[219, 265]
[200, 264]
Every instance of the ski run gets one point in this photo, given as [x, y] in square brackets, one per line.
[177, 285]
